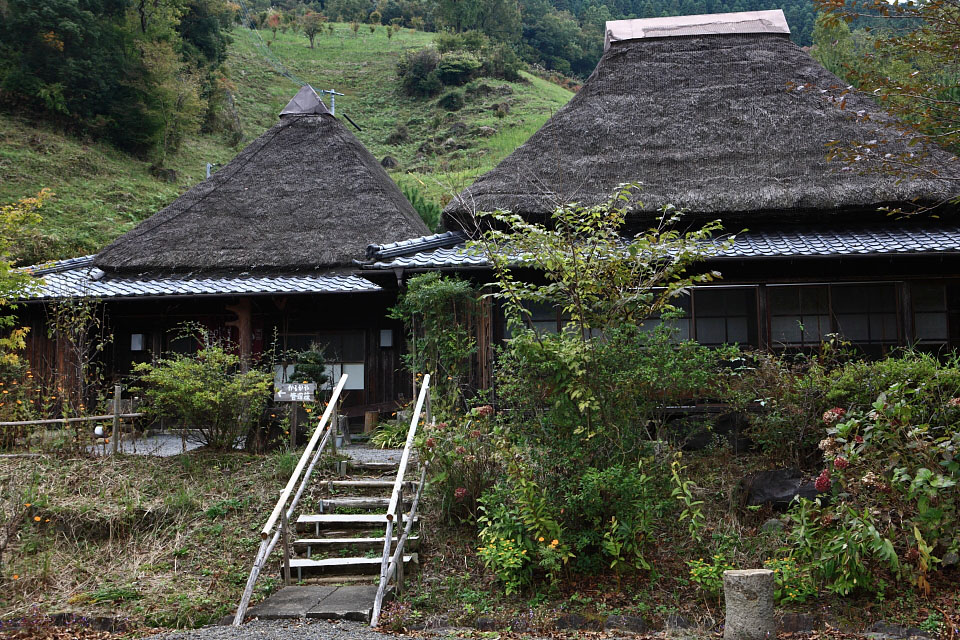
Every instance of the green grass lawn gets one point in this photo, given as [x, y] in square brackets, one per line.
[102, 192]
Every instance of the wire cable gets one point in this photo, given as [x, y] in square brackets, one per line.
[265, 50]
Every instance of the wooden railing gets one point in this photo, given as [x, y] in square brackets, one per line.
[392, 563]
[271, 534]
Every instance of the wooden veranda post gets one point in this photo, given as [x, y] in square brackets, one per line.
[115, 435]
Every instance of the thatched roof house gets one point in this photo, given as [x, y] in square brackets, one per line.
[720, 114]
[305, 195]
[261, 253]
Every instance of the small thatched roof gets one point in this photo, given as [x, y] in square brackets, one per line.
[728, 119]
[303, 196]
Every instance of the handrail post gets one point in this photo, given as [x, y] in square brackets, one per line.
[281, 511]
[284, 528]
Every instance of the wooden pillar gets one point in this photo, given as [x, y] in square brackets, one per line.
[244, 325]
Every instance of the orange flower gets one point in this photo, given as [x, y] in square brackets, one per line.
[37, 518]
[16, 576]
[540, 539]
[27, 504]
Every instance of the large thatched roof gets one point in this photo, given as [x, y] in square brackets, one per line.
[721, 115]
[304, 195]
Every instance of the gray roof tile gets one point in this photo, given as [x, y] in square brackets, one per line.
[419, 253]
[76, 277]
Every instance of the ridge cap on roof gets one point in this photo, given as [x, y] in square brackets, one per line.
[59, 266]
[741, 22]
[414, 245]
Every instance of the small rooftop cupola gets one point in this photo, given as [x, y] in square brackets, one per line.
[710, 24]
[305, 103]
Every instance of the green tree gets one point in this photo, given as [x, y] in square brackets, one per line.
[312, 24]
[16, 221]
[913, 71]
[208, 392]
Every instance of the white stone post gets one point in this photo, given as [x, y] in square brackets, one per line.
[749, 602]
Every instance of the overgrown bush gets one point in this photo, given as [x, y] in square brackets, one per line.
[451, 101]
[418, 72]
[465, 461]
[893, 474]
[458, 67]
[439, 312]
[206, 391]
[502, 62]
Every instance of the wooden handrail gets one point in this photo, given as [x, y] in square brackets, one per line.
[267, 546]
[405, 458]
[388, 565]
[272, 520]
[22, 423]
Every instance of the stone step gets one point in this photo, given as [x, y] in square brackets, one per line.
[362, 483]
[354, 602]
[306, 567]
[345, 521]
[371, 502]
[372, 466]
[311, 546]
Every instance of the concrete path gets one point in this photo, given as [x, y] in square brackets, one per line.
[326, 603]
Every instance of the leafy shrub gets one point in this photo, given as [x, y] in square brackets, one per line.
[207, 392]
[458, 67]
[464, 462]
[611, 516]
[709, 575]
[451, 101]
[893, 474]
[418, 72]
[440, 308]
[502, 62]
[430, 212]
[311, 366]
[472, 41]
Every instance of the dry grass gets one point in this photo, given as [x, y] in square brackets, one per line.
[158, 541]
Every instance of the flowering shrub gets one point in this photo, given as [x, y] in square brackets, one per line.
[464, 461]
[893, 472]
[709, 575]
[793, 583]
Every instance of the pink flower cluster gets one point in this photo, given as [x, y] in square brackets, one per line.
[459, 494]
[840, 462]
[953, 402]
[833, 416]
[822, 484]
[485, 411]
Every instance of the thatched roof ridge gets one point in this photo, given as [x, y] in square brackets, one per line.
[732, 126]
[303, 196]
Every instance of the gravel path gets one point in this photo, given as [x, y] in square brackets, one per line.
[365, 453]
[281, 630]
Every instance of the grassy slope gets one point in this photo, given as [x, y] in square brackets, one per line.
[101, 192]
[163, 541]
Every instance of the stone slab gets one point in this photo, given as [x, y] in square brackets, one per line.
[291, 602]
[346, 603]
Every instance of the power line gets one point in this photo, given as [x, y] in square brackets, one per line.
[265, 50]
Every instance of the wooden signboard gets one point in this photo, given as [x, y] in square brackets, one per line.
[294, 392]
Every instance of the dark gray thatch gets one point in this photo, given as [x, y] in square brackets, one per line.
[731, 126]
[304, 195]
